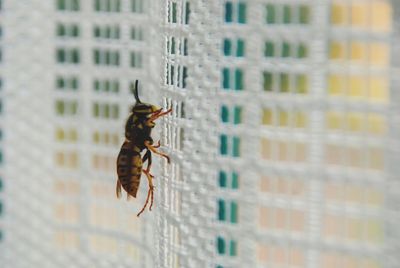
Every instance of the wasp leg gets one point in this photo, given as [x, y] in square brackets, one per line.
[149, 193]
[118, 189]
[158, 145]
[147, 157]
[153, 149]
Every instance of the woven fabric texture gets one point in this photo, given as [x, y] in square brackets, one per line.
[284, 136]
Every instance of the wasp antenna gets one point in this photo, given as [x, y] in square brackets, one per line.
[135, 91]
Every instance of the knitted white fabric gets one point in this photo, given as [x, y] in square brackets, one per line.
[284, 135]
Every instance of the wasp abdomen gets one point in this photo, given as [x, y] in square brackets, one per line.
[129, 168]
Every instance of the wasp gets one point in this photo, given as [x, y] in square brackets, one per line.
[130, 162]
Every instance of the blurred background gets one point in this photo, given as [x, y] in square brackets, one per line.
[284, 136]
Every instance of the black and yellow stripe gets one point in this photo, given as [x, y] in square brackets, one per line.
[129, 168]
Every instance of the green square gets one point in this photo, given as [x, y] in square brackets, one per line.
[222, 179]
[96, 56]
[108, 5]
[106, 110]
[107, 58]
[268, 82]
[284, 83]
[220, 245]
[174, 13]
[238, 79]
[233, 248]
[60, 30]
[285, 49]
[227, 47]
[228, 12]
[97, 5]
[225, 78]
[304, 16]
[60, 82]
[107, 86]
[270, 14]
[223, 145]
[242, 12]
[61, 4]
[107, 32]
[187, 13]
[235, 180]
[75, 56]
[185, 47]
[96, 85]
[118, 6]
[234, 212]
[173, 45]
[75, 5]
[240, 48]
[60, 55]
[75, 31]
[116, 58]
[302, 51]
[236, 147]
[96, 31]
[302, 83]
[221, 210]
[116, 86]
[116, 33]
[96, 110]
[184, 76]
[115, 112]
[74, 107]
[237, 118]
[74, 83]
[269, 50]
[287, 14]
[224, 114]
[60, 108]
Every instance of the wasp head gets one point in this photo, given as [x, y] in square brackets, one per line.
[141, 108]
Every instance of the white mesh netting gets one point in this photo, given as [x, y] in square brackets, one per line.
[284, 136]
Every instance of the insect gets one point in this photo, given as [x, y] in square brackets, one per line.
[130, 162]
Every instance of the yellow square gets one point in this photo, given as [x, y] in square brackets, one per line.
[336, 84]
[337, 50]
[355, 122]
[376, 124]
[359, 14]
[267, 117]
[359, 52]
[302, 84]
[339, 14]
[334, 120]
[379, 54]
[357, 86]
[283, 117]
[381, 15]
[266, 148]
[378, 88]
[300, 119]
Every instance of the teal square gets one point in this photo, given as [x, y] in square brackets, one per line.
[228, 11]
[241, 12]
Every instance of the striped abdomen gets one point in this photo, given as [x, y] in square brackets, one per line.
[129, 168]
